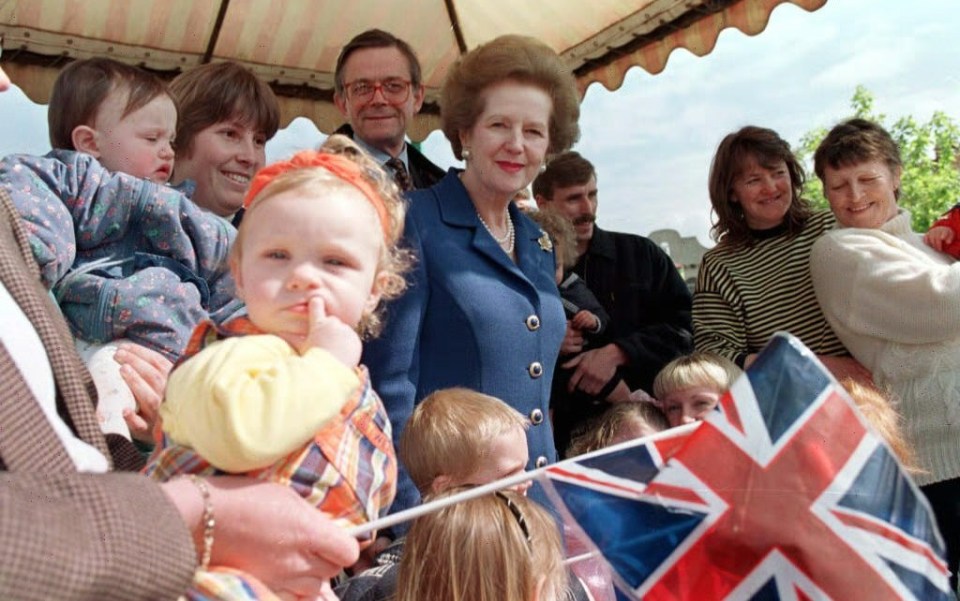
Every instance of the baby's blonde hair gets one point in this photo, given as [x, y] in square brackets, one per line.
[449, 434]
[497, 547]
[699, 368]
[394, 261]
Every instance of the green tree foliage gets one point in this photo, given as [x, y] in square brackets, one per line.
[930, 153]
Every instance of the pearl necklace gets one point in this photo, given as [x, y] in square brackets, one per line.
[508, 238]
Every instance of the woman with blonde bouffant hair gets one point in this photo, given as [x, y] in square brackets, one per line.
[482, 310]
[498, 547]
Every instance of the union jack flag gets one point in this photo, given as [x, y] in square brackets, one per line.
[784, 494]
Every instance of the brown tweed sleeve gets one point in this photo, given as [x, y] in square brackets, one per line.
[87, 536]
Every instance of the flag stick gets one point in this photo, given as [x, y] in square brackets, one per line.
[582, 557]
[484, 489]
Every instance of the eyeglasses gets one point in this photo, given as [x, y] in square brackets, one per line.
[394, 90]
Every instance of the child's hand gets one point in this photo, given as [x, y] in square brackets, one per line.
[331, 334]
[585, 321]
[939, 237]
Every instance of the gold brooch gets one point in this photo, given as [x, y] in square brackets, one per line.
[546, 244]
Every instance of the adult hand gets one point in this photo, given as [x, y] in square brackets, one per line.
[595, 368]
[270, 532]
[572, 341]
[848, 367]
[939, 237]
[331, 334]
[145, 371]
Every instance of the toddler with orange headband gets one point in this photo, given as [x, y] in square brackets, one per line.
[279, 394]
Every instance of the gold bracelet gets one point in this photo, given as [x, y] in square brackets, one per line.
[208, 520]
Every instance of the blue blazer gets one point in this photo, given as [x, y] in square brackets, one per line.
[471, 317]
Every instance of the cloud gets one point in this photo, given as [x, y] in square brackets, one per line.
[23, 128]
[301, 134]
[867, 66]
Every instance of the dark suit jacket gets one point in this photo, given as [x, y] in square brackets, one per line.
[423, 173]
[66, 535]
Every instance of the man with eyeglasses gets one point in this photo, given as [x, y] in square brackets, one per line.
[379, 90]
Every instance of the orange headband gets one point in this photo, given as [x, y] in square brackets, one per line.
[339, 165]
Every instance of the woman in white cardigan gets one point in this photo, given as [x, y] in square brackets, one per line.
[895, 304]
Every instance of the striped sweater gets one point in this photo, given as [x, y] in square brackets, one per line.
[746, 294]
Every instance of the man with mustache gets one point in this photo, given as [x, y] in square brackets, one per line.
[378, 89]
[637, 284]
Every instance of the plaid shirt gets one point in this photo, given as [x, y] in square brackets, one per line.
[348, 470]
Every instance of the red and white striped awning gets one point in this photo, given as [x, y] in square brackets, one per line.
[293, 44]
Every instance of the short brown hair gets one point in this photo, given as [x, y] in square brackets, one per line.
[394, 260]
[699, 368]
[217, 92]
[768, 148]
[510, 57]
[496, 547]
[449, 434]
[376, 38]
[857, 141]
[83, 85]
[561, 233]
[564, 170]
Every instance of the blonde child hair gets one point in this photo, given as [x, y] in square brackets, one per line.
[602, 431]
[449, 434]
[498, 547]
[699, 368]
[879, 410]
[287, 175]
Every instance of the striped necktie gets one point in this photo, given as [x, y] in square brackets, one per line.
[400, 174]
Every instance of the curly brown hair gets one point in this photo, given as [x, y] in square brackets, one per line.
[601, 431]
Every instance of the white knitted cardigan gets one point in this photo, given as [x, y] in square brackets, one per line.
[895, 304]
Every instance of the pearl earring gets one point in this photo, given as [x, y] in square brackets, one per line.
[465, 153]
[543, 167]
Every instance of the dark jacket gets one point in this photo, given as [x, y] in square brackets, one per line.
[576, 297]
[648, 302]
[423, 173]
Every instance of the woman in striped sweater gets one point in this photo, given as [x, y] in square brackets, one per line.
[756, 280]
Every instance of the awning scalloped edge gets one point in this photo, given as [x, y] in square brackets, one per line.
[750, 17]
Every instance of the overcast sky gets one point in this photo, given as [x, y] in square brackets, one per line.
[652, 140]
